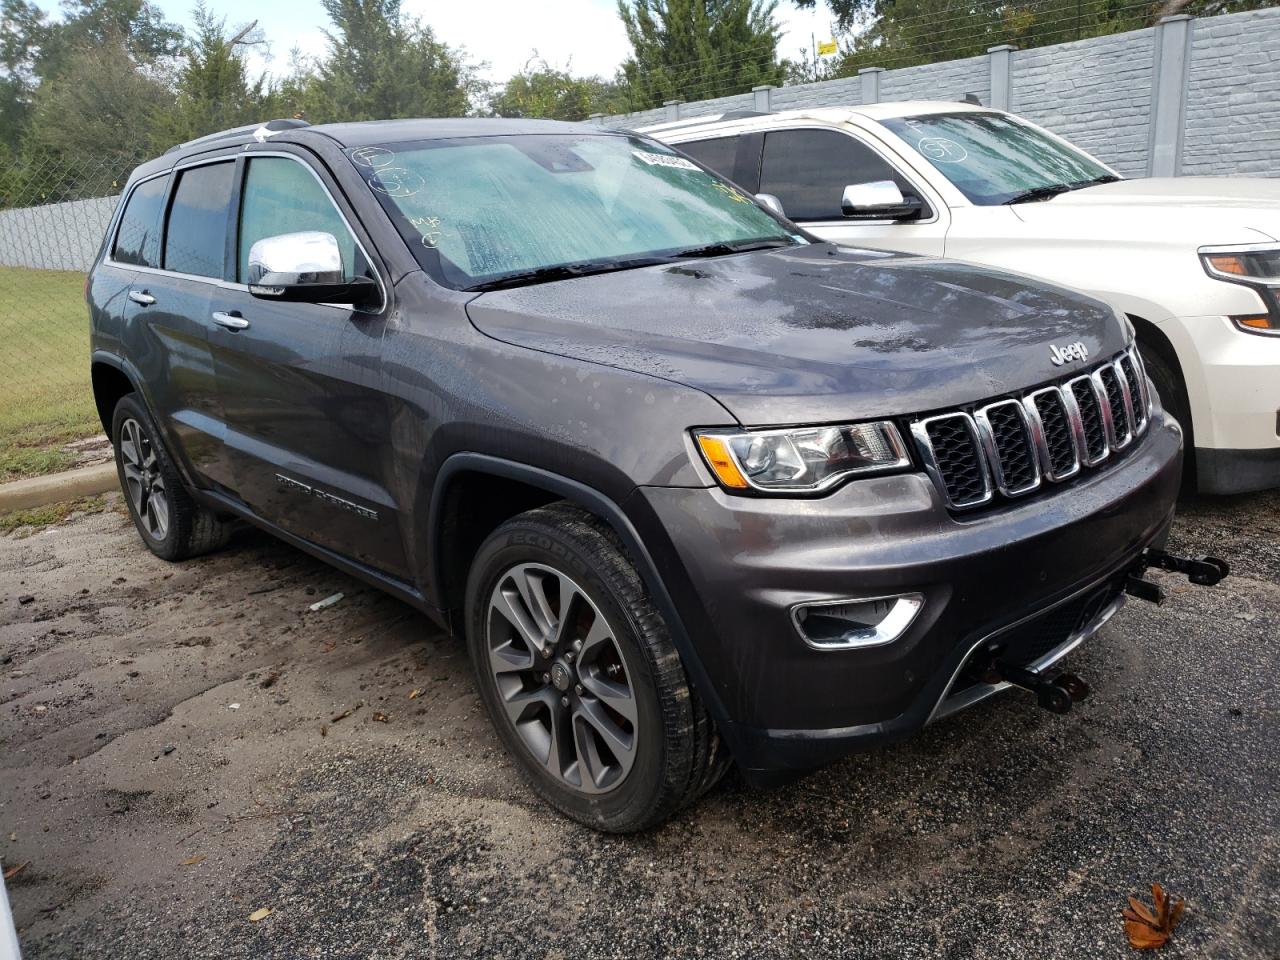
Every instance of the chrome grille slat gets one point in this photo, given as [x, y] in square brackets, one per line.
[1010, 447]
[1014, 445]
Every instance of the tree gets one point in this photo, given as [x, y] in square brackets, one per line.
[382, 64]
[214, 91]
[697, 49]
[541, 90]
[102, 106]
[25, 31]
[136, 25]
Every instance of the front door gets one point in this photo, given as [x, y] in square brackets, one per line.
[808, 169]
[302, 384]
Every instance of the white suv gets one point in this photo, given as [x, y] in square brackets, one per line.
[1193, 261]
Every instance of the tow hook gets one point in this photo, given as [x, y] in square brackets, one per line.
[1055, 693]
[1202, 571]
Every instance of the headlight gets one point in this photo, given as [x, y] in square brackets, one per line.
[801, 459]
[1260, 266]
[1252, 266]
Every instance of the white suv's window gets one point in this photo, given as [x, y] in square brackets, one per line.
[992, 158]
[718, 154]
[808, 170]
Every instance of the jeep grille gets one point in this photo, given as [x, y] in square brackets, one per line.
[1014, 445]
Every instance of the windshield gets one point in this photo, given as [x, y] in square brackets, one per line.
[992, 158]
[481, 211]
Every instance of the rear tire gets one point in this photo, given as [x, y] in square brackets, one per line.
[170, 522]
[552, 683]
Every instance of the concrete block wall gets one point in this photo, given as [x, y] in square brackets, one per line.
[1233, 96]
[1187, 96]
[56, 236]
[1095, 93]
[938, 81]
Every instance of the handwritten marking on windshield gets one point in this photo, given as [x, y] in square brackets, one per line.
[373, 157]
[942, 150]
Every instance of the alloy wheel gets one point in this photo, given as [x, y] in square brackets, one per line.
[561, 677]
[144, 482]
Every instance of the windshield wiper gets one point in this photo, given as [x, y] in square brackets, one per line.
[564, 271]
[1046, 192]
[1049, 191]
[735, 246]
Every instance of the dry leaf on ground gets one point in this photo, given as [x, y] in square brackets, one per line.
[260, 914]
[192, 861]
[415, 693]
[14, 871]
[380, 717]
[1148, 928]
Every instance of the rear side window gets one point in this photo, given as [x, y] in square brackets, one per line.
[282, 196]
[196, 237]
[138, 239]
[808, 170]
[718, 154]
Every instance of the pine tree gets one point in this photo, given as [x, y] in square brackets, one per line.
[383, 64]
[698, 49]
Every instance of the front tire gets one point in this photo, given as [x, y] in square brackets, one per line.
[580, 676]
[170, 522]
[1173, 396]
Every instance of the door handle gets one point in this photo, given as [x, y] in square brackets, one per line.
[141, 297]
[232, 321]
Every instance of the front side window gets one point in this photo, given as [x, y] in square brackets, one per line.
[808, 170]
[283, 196]
[992, 158]
[481, 210]
[138, 239]
[718, 154]
[195, 239]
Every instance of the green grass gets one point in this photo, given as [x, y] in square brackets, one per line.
[45, 396]
[28, 521]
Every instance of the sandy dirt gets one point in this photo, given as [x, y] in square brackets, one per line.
[152, 714]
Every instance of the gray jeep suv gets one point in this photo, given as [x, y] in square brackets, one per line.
[696, 487]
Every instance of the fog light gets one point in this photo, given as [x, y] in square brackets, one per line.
[851, 624]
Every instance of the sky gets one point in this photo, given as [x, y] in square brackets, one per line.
[585, 35]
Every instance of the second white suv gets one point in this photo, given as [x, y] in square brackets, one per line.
[1193, 261]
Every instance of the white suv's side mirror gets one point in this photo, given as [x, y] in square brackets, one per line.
[877, 200]
[771, 203]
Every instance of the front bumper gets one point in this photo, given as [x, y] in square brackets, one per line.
[1233, 385]
[735, 566]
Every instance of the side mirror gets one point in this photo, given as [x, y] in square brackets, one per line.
[771, 203]
[304, 268]
[878, 200]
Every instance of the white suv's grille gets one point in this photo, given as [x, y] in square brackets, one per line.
[1015, 445]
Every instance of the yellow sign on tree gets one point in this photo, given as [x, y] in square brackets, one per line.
[826, 48]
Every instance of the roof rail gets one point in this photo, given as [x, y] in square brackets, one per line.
[271, 126]
[744, 114]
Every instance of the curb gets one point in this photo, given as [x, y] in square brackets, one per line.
[41, 491]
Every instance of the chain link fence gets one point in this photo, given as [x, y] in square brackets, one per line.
[53, 214]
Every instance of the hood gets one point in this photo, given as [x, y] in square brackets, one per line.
[812, 334]
[1203, 210]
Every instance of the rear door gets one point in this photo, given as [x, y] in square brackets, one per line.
[302, 385]
[808, 168]
[166, 317]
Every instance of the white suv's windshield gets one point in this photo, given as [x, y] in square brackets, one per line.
[992, 158]
[484, 212]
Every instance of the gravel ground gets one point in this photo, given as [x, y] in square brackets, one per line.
[152, 714]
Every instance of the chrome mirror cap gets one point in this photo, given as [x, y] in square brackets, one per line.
[771, 203]
[295, 259]
[877, 200]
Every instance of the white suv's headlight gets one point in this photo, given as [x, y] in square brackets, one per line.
[1253, 266]
[1242, 263]
[801, 459]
